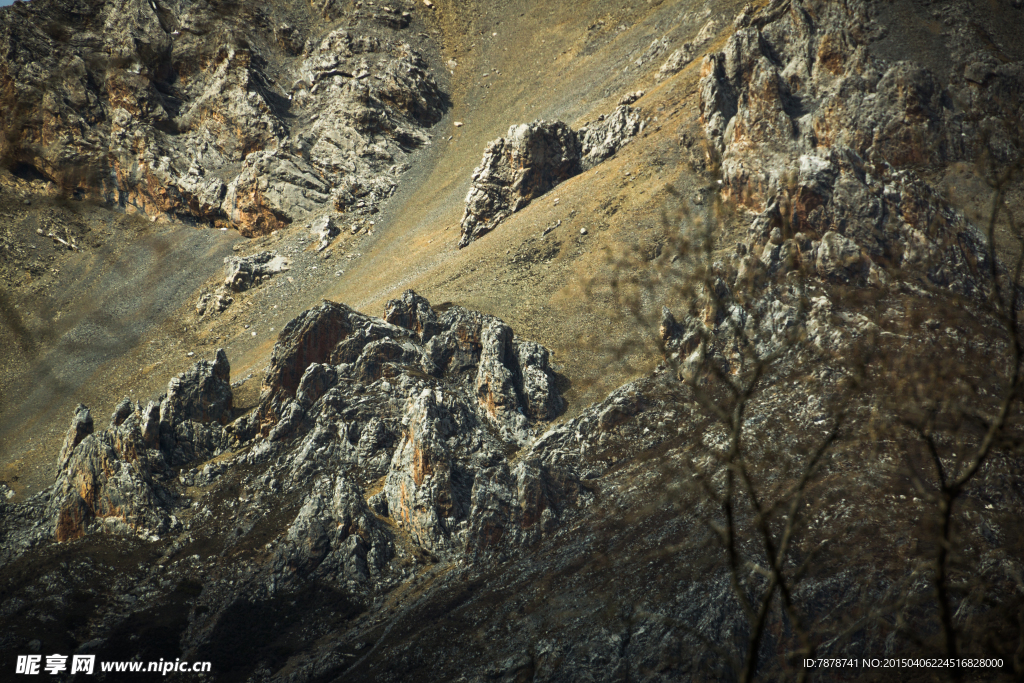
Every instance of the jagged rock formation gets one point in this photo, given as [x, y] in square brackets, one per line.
[827, 143]
[687, 52]
[535, 157]
[180, 109]
[433, 407]
[113, 478]
[241, 273]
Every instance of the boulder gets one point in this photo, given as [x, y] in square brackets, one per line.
[530, 160]
[241, 273]
[534, 157]
[324, 230]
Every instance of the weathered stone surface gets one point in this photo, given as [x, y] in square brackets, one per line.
[106, 480]
[241, 273]
[81, 427]
[436, 420]
[530, 160]
[142, 110]
[537, 382]
[807, 120]
[412, 312]
[324, 229]
[336, 533]
[534, 157]
[216, 302]
[687, 52]
[838, 257]
[122, 411]
[394, 490]
[310, 338]
[110, 480]
[600, 140]
[203, 394]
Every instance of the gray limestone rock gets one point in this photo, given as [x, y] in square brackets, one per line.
[335, 532]
[536, 381]
[530, 160]
[121, 412]
[600, 140]
[534, 157]
[110, 480]
[324, 229]
[106, 483]
[146, 112]
[412, 312]
[241, 273]
[839, 258]
[803, 117]
[81, 427]
[202, 394]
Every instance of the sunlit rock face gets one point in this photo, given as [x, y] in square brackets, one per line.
[257, 128]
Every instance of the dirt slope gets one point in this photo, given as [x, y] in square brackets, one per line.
[563, 62]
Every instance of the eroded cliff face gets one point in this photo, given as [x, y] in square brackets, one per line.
[831, 146]
[406, 494]
[214, 112]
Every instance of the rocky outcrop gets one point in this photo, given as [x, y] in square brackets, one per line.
[112, 480]
[336, 534]
[530, 160]
[602, 139]
[687, 52]
[81, 427]
[241, 273]
[433, 404]
[821, 140]
[401, 482]
[533, 158]
[412, 312]
[141, 109]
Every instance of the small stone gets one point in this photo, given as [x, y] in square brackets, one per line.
[630, 98]
[458, 124]
[583, 231]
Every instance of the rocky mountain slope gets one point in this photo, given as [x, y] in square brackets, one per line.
[806, 444]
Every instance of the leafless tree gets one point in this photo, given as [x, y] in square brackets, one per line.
[911, 431]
